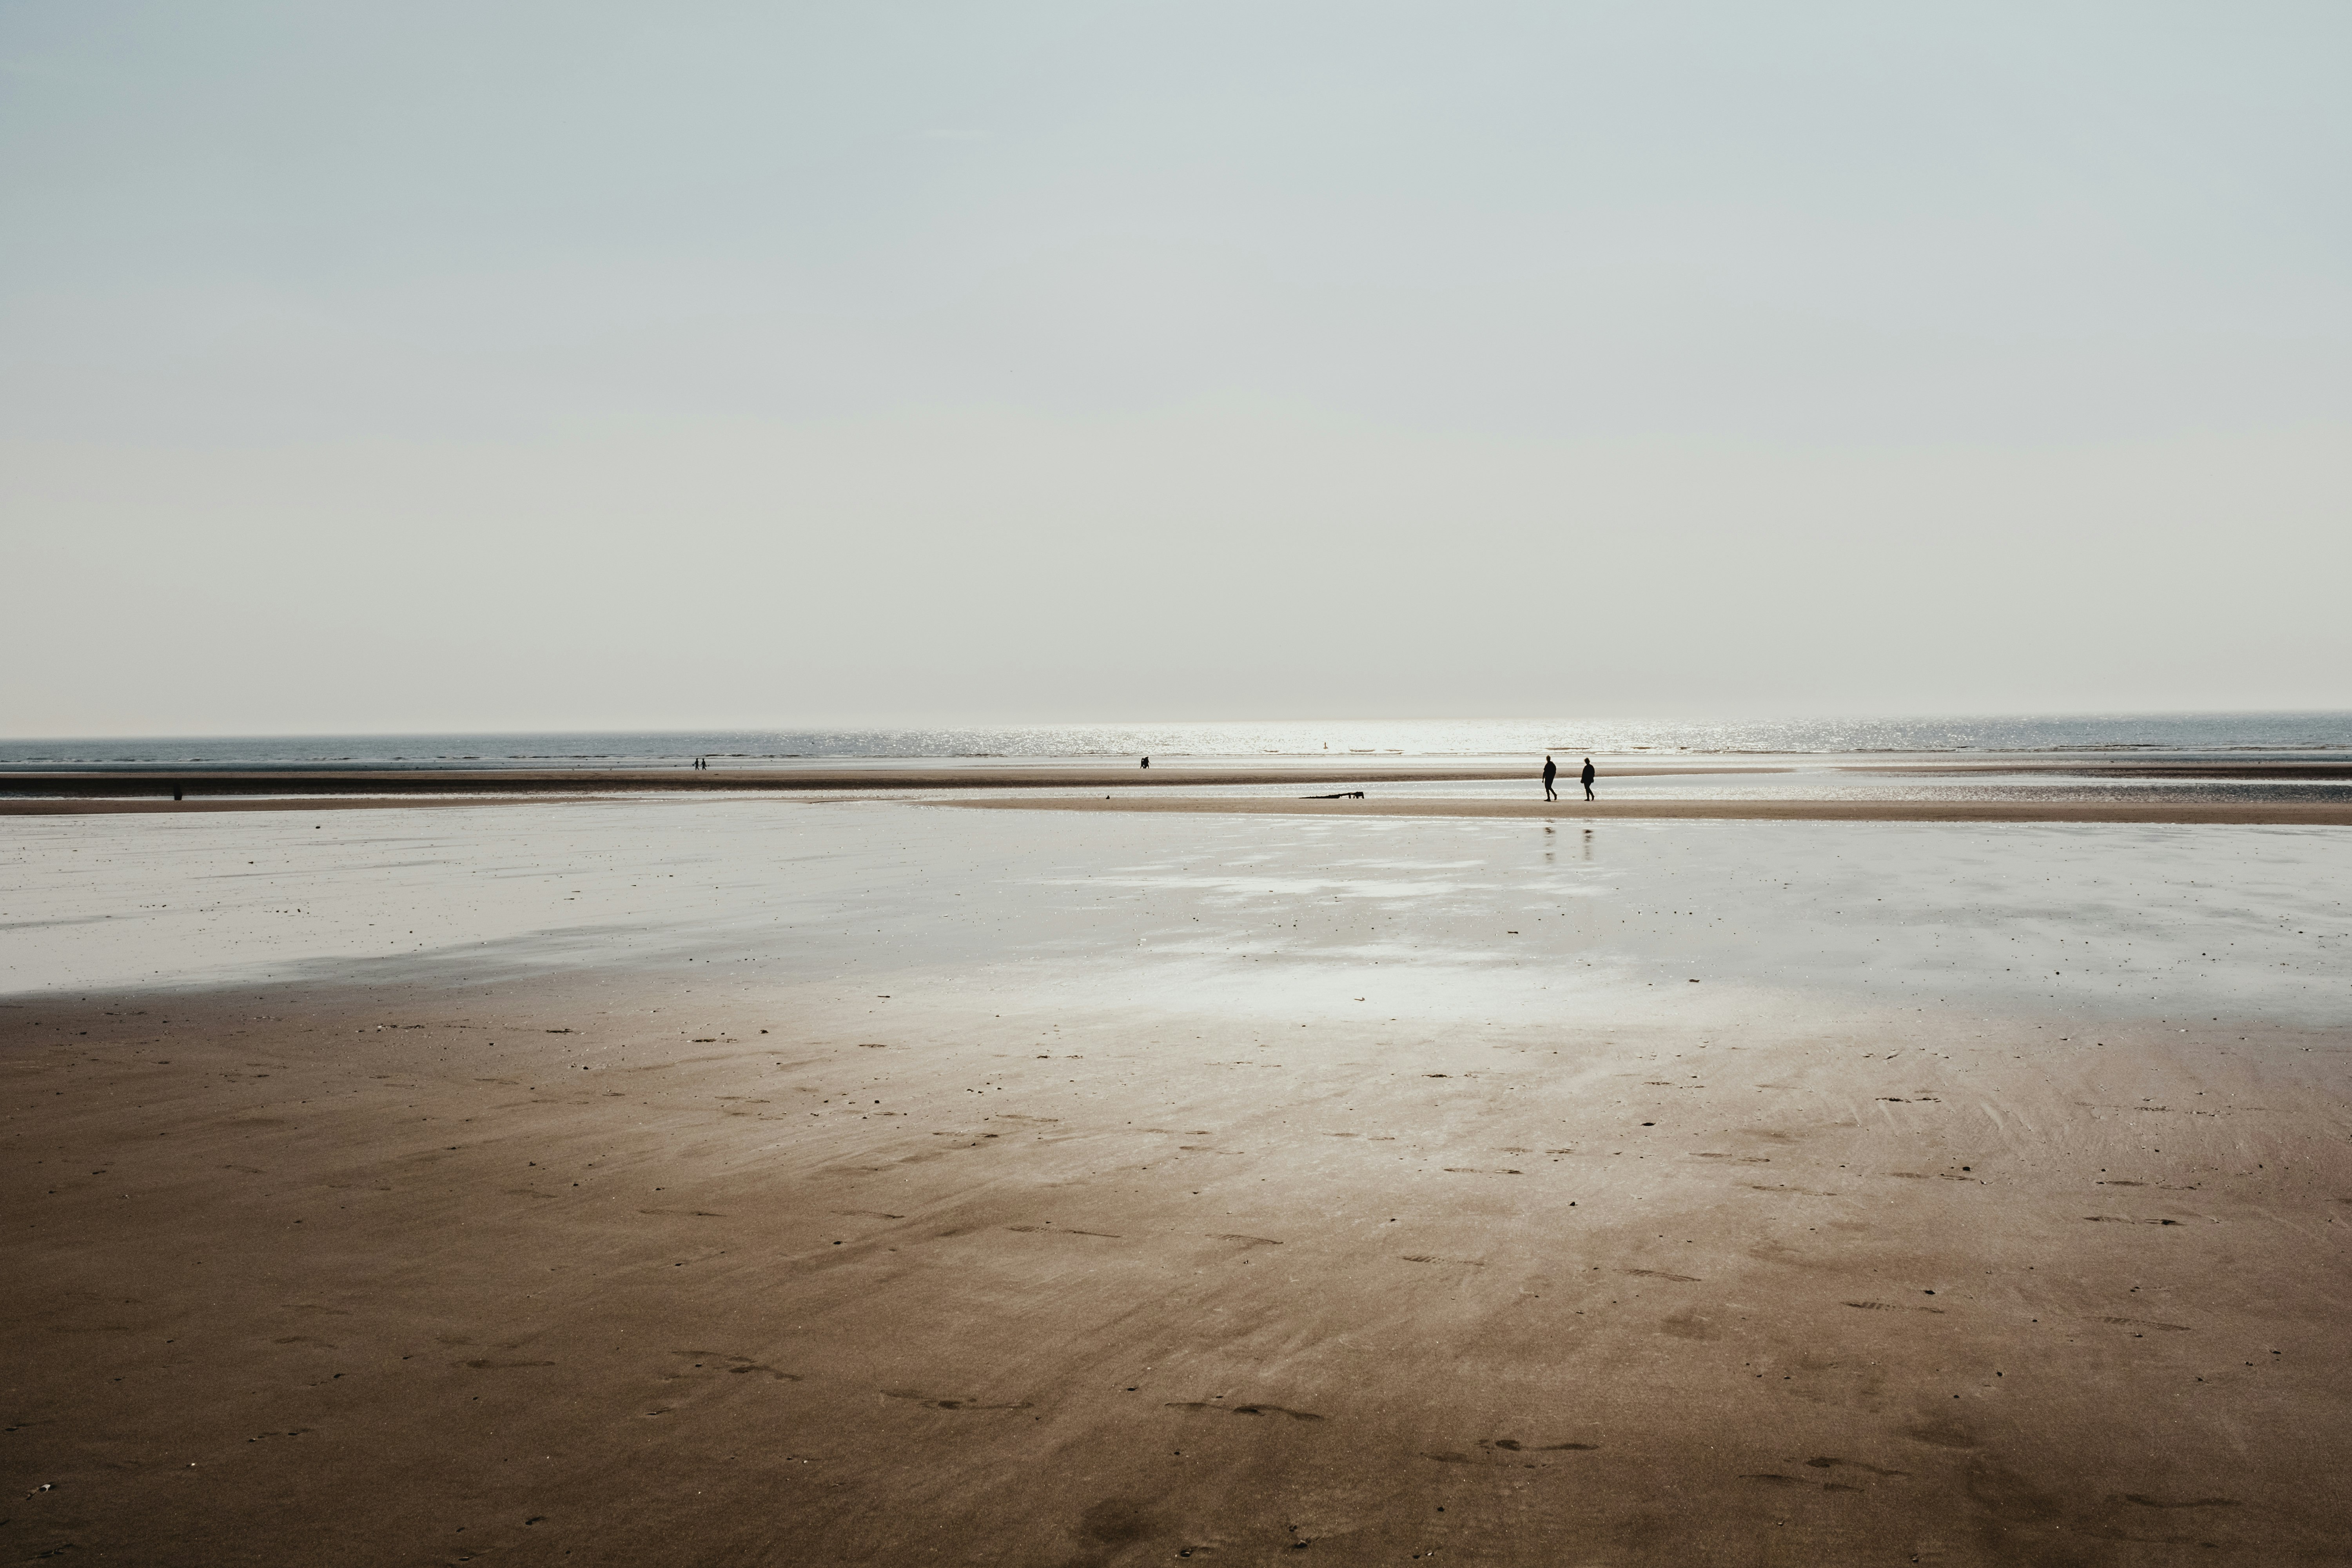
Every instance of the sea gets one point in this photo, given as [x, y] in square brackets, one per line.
[2282, 736]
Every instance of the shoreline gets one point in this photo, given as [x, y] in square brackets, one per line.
[149, 783]
[2238, 814]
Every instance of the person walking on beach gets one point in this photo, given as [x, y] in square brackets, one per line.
[1147, 762]
[1552, 772]
[1587, 778]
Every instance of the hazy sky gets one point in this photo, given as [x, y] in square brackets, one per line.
[439, 366]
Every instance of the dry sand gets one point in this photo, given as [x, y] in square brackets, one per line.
[1111, 1190]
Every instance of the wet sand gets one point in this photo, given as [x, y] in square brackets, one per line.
[1106, 1190]
[2244, 813]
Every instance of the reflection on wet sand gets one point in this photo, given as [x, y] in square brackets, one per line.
[689, 1181]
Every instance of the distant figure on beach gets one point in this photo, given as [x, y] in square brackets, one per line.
[1552, 772]
[1147, 762]
[1587, 778]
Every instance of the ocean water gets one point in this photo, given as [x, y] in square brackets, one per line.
[2178, 735]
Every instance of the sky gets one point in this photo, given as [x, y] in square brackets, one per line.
[436, 367]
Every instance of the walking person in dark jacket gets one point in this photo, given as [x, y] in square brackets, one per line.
[1587, 778]
[1552, 772]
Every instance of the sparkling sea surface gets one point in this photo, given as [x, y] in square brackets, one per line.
[2248, 736]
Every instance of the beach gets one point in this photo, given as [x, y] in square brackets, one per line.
[1114, 786]
[682, 1180]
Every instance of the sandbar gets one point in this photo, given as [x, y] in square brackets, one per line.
[2241, 811]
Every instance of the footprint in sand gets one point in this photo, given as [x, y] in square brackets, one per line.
[1060, 1230]
[2145, 1323]
[1779, 1481]
[1832, 1463]
[1241, 1409]
[1893, 1307]
[1941, 1431]
[742, 1364]
[1689, 1324]
[928, 1403]
[1513, 1445]
[1507, 1445]
[1120, 1522]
